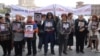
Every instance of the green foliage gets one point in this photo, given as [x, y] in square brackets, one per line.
[4, 10]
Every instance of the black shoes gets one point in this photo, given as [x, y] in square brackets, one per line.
[28, 54]
[77, 52]
[82, 52]
[65, 53]
[52, 53]
[34, 55]
[4, 55]
[8, 55]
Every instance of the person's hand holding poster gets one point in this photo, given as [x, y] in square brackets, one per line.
[28, 31]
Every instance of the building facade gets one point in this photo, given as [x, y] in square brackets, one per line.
[2, 6]
[95, 8]
[27, 3]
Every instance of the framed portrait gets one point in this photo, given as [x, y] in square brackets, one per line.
[28, 31]
[37, 16]
[4, 27]
[16, 26]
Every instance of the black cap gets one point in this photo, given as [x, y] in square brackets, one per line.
[7, 14]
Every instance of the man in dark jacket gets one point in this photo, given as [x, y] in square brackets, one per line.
[80, 32]
[41, 32]
[7, 20]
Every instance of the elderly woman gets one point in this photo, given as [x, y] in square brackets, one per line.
[18, 35]
[64, 29]
[80, 32]
[94, 27]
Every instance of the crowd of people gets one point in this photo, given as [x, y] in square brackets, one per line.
[51, 29]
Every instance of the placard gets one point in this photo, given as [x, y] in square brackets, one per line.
[16, 26]
[37, 16]
[81, 24]
[28, 31]
[3, 27]
[48, 24]
[66, 28]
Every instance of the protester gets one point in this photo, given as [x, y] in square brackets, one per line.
[7, 17]
[49, 28]
[89, 40]
[80, 32]
[10, 41]
[70, 39]
[24, 41]
[56, 19]
[31, 41]
[64, 29]
[4, 37]
[94, 28]
[41, 32]
[18, 35]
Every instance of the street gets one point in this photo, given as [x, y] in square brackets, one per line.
[87, 51]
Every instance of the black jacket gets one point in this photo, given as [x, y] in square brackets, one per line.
[77, 28]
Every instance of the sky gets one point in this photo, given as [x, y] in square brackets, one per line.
[42, 3]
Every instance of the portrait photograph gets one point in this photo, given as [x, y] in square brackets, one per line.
[28, 31]
[37, 16]
[81, 24]
[48, 24]
[3, 27]
[66, 26]
[16, 26]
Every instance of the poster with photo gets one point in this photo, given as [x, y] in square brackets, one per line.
[3, 27]
[81, 24]
[28, 31]
[48, 24]
[37, 16]
[16, 26]
[66, 26]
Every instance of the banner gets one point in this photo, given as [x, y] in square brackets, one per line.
[85, 10]
[61, 9]
[45, 10]
[21, 10]
[55, 9]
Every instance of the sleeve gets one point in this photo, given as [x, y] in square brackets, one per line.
[98, 26]
[58, 27]
[76, 29]
[35, 27]
[43, 26]
[58, 30]
[89, 26]
[55, 26]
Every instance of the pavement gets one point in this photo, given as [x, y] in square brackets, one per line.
[87, 51]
